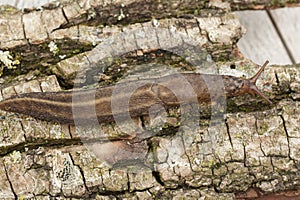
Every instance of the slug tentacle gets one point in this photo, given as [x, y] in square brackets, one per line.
[254, 90]
[252, 84]
[257, 75]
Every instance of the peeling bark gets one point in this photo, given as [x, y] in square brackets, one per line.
[250, 151]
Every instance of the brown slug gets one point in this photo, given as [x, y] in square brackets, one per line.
[60, 106]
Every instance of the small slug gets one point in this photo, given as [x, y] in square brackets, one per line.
[59, 107]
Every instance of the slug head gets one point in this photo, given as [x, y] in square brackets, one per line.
[249, 85]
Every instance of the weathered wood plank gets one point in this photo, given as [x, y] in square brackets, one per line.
[261, 41]
[25, 4]
[288, 22]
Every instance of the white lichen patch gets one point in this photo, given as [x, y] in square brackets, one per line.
[7, 61]
[121, 15]
[16, 156]
[91, 14]
[53, 48]
[155, 23]
[62, 56]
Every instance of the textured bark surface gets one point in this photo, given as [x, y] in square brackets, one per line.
[250, 151]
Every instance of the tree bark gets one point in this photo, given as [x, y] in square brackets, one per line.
[250, 150]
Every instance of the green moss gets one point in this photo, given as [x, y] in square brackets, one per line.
[277, 3]
[39, 57]
[7, 9]
[239, 135]
[34, 143]
[247, 106]
[208, 163]
[116, 71]
[216, 165]
[263, 127]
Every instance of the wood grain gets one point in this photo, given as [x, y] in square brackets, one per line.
[261, 40]
[288, 22]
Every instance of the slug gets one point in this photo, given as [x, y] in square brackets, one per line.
[59, 107]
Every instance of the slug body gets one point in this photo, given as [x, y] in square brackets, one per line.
[133, 97]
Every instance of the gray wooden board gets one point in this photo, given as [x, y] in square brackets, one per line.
[21, 4]
[261, 41]
[288, 22]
